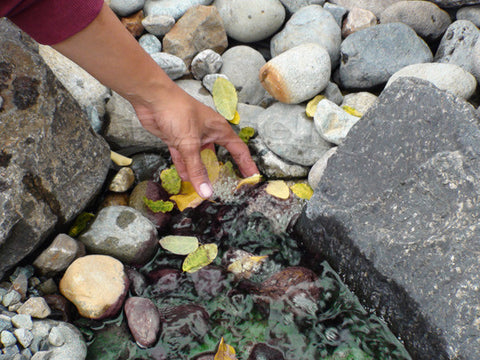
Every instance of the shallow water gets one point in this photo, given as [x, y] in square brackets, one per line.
[200, 308]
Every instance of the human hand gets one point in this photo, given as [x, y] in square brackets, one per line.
[187, 126]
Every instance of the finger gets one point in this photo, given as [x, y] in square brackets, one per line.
[179, 163]
[197, 173]
[240, 153]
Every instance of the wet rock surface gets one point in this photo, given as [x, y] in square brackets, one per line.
[397, 216]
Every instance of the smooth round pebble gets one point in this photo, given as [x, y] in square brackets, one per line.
[206, 62]
[295, 5]
[7, 338]
[126, 7]
[360, 101]
[358, 19]
[449, 77]
[173, 8]
[316, 172]
[122, 181]
[56, 337]
[150, 43]
[143, 320]
[11, 297]
[158, 25]
[470, 13]
[173, 66]
[251, 20]
[297, 74]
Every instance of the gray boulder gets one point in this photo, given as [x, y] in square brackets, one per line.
[456, 46]
[454, 3]
[370, 56]
[338, 12]
[396, 213]
[287, 131]
[51, 163]
[470, 13]
[310, 24]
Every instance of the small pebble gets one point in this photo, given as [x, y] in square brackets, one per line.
[24, 337]
[48, 287]
[11, 297]
[171, 64]
[5, 322]
[42, 355]
[22, 321]
[20, 284]
[358, 19]
[123, 180]
[133, 23]
[11, 352]
[35, 307]
[7, 338]
[125, 8]
[15, 307]
[150, 43]
[158, 25]
[332, 122]
[206, 62]
[56, 337]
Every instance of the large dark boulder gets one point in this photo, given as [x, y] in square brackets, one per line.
[51, 162]
[397, 213]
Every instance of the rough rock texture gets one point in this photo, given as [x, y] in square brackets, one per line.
[51, 162]
[199, 29]
[396, 212]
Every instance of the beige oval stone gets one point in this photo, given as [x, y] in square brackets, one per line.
[96, 285]
[123, 180]
[36, 307]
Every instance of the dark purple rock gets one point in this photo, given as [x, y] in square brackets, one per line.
[165, 280]
[209, 281]
[143, 320]
[60, 306]
[137, 281]
[264, 352]
[185, 321]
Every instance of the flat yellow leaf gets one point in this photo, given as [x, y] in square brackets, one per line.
[251, 180]
[279, 189]
[225, 98]
[179, 245]
[225, 351]
[187, 200]
[236, 119]
[119, 159]
[209, 159]
[303, 191]
[312, 105]
[246, 265]
[351, 111]
[200, 258]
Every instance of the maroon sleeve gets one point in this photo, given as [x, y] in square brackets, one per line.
[51, 21]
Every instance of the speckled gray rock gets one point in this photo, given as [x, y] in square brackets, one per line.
[7, 338]
[449, 77]
[195, 89]
[122, 232]
[426, 18]
[150, 43]
[309, 24]
[396, 214]
[297, 74]
[375, 6]
[209, 80]
[272, 166]
[11, 297]
[370, 56]
[251, 20]
[316, 171]
[338, 12]
[457, 44]
[173, 8]
[287, 131]
[249, 115]
[241, 65]
[87, 90]
[361, 101]
[24, 337]
[476, 61]
[332, 92]
[158, 25]
[295, 5]
[470, 13]
[173, 66]
[332, 122]
[126, 7]
[206, 62]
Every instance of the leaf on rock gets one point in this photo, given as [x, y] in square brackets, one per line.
[200, 258]
[246, 133]
[159, 205]
[236, 119]
[312, 105]
[119, 159]
[179, 245]
[279, 189]
[246, 265]
[225, 351]
[225, 98]
[171, 181]
[351, 111]
[209, 159]
[303, 191]
[80, 224]
[251, 180]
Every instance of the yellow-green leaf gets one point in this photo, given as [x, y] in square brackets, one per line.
[171, 182]
[279, 189]
[179, 245]
[158, 205]
[246, 133]
[236, 119]
[209, 159]
[351, 111]
[225, 351]
[225, 98]
[251, 180]
[303, 191]
[200, 258]
[312, 105]
[119, 159]
[80, 223]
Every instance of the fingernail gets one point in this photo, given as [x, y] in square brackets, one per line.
[205, 190]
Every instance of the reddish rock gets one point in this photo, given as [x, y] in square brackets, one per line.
[143, 320]
[133, 23]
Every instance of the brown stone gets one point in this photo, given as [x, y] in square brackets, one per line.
[133, 23]
[200, 28]
[358, 19]
[114, 199]
[51, 163]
